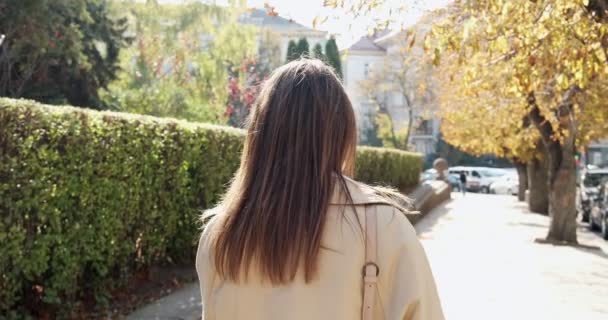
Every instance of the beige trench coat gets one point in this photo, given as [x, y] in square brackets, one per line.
[406, 288]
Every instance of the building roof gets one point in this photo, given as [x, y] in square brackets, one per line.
[369, 43]
[269, 19]
[365, 44]
[380, 40]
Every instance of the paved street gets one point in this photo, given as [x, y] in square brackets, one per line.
[487, 266]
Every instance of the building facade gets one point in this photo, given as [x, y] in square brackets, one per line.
[286, 29]
[372, 53]
[357, 63]
[597, 153]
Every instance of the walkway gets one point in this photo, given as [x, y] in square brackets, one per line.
[487, 266]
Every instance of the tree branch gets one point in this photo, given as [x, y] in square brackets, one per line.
[546, 133]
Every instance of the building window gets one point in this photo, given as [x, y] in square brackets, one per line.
[366, 70]
[596, 158]
[424, 128]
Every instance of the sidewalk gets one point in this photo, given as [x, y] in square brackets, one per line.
[487, 266]
[183, 304]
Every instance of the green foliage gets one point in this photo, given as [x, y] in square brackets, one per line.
[89, 197]
[388, 135]
[369, 135]
[392, 167]
[317, 52]
[291, 51]
[181, 61]
[59, 51]
[297, 50]
[302, 49]
[269, 49]
[333, 56]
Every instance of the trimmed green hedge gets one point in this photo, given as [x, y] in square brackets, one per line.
[390, 167]
[88, 197]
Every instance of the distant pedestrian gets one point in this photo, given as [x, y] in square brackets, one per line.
[463, 183]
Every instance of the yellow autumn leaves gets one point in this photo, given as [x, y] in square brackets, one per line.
[508, 50]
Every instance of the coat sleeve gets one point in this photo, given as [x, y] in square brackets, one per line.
[407, 288]
[205, 271]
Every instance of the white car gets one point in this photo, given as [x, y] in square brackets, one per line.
[473, 177]
[489, 176]
[507, 184]
[479, 179]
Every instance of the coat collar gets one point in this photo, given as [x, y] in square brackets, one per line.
[360, 194]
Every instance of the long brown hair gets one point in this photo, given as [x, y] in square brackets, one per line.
[301, 140]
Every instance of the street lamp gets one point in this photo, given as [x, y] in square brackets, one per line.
[2, 38]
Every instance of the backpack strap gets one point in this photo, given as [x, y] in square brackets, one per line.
[370, 268]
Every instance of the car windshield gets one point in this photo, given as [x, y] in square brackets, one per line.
[484, 173]
[594, 179]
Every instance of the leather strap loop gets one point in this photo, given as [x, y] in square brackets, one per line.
[370, 268]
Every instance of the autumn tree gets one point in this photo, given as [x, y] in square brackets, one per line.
[487, 124]
[549, 59]
[244, 87]
[181, 61]
[245, 82]
[546, 61]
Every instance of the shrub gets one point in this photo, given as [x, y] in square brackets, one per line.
[88, 197]
[392, 167]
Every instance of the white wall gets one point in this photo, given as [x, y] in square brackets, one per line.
[353, 69]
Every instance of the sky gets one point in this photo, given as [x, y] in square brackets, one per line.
[346, 28]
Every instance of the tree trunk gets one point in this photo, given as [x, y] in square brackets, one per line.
[410, 117]
[538, 200]
[562, 186]
[562, 167]
[410, 123]
[522, 177]
[396, 144]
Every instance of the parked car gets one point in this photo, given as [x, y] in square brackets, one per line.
[588, 189]
[478, 178]
[429, 174]
[473, 177]
[454, 181]
[507, 184]
[488, 177]
[598, 215]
